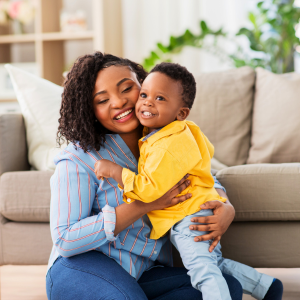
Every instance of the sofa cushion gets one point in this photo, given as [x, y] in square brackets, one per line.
[25, 196]
[222, 109]
[40, 102]
[263, 192]
[276, 118]
[13, 148]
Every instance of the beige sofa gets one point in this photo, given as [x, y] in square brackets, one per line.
[266, 196]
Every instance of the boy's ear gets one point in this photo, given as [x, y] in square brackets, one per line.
[183, 113]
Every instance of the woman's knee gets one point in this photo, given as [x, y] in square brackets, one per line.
[78, 278]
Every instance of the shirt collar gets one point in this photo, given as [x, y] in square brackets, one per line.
[151, 133]
[171, 128]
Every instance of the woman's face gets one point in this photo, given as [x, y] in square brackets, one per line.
[115, 95]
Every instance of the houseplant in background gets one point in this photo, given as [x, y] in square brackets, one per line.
[17, 14]
[272, 39]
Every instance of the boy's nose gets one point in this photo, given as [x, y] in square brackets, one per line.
[148, 102]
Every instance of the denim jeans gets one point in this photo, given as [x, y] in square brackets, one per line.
[94, 276]
[206, 268]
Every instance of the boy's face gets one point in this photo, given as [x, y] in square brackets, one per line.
[160, 102]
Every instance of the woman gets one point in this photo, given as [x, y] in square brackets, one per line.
[97, 117]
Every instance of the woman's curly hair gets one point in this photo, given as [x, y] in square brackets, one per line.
[77, 122]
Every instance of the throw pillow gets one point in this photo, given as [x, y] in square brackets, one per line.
[40, 102]
[222, 109]
[276, 118]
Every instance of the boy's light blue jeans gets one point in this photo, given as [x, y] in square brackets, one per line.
[205, 268]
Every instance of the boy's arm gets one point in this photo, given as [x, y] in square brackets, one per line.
[108, 169]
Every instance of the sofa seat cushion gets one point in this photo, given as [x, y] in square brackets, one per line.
[263, 192]
[25, 196]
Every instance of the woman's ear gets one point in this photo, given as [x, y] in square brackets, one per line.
[183, 113]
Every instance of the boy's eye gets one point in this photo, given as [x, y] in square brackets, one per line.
[127, 89]
[143, 95]
[160, 98]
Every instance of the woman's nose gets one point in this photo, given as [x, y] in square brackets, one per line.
[117, 102]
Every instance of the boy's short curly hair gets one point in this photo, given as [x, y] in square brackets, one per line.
[77, 122]
[183, 76]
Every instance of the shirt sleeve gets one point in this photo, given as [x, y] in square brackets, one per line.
[159, 174]
[218, 185]
[73, 229]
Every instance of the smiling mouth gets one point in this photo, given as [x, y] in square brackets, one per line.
[124, 114]
[147, 114]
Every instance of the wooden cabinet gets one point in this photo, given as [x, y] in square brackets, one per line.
[49, 41]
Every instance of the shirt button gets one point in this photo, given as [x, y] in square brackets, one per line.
[128, 200]
[155, 252]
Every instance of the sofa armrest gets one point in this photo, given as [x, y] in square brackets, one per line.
[13, 147]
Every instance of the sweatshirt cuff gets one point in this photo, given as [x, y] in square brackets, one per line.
[109, 215]
[128, 180]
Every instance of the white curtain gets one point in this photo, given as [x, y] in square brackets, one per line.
[146, 22]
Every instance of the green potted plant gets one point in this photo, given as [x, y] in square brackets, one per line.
[272, 39]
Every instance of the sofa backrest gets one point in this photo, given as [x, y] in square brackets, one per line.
[13, 147]
[223, 111]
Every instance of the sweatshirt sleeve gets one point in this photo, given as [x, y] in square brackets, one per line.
[160, 173]
[73, 229]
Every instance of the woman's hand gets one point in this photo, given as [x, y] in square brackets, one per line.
[169, 198]
[217, 224]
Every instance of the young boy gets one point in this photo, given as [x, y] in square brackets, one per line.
[171, 148]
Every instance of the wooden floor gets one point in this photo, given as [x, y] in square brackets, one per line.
[27, 283]
[23, 282]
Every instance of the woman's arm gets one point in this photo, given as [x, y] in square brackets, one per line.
[218, 223]
[127, 214]
[73, 229]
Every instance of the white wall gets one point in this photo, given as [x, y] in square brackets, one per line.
[147, 22]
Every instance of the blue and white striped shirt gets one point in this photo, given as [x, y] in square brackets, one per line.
[82, 215]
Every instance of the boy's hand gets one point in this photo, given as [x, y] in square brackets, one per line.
[103, 168]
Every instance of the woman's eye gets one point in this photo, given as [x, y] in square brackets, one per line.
[143, 95]
[127, 90]
[160, 98]
[103, 101]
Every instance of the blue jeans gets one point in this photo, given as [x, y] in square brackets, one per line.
[207, 269]
[94, 276]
